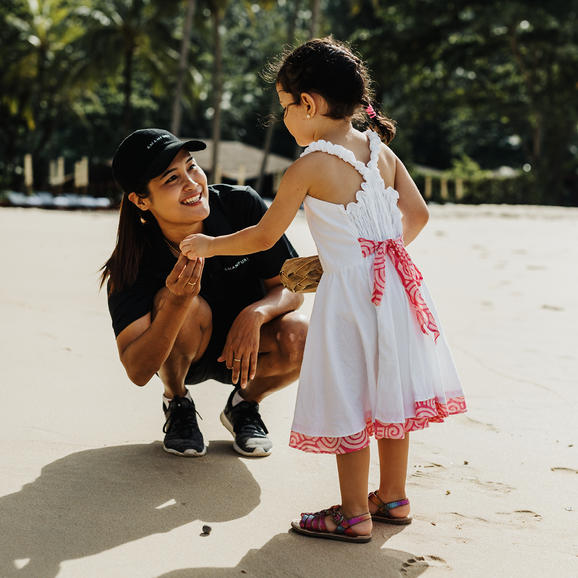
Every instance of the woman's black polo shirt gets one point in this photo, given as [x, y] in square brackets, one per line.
[228, 284]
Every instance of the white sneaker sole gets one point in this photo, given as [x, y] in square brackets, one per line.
[186, 453]
[257, 453]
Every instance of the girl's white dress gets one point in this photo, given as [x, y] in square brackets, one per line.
[376, 361]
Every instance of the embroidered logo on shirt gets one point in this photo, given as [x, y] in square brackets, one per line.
[236, 265]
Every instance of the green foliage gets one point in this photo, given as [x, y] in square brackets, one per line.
[517, 190]
[467, 168]
[473, 84]
[491, 80]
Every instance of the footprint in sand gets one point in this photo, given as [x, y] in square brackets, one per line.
[552, 308]
[562, 469]
[419, 563]
[488, 426]
[493, 486]
[428, 471]
[462, 519]
[521, 518]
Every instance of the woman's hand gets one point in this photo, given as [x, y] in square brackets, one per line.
[241, 349]
[185, 278]
[196, 245]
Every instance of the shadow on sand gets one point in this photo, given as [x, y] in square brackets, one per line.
[292, 555]
[94, 500]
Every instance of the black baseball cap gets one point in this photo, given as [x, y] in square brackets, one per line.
[145, 154]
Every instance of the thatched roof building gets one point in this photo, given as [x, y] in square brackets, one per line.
[239, 162]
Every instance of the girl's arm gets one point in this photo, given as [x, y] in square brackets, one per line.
[413, 208]
[266, 232]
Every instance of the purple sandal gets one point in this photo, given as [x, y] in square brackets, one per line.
[383, 513]
[314, 525]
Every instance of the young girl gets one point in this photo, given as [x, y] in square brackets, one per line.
[375, 362]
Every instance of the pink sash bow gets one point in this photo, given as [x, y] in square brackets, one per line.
[409, 274]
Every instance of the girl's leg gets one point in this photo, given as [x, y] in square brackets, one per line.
[353, 470]
[393, 458]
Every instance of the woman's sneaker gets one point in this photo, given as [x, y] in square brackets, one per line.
[247, 427]
[182, 434]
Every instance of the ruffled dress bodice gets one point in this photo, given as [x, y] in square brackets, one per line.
[373, 215]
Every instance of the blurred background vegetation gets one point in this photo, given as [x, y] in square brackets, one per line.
[473, 85]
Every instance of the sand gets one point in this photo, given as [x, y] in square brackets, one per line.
[86, 490]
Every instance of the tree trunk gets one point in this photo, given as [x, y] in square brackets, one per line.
[217, 90]
[315, 16]
[127, 89]
[34, 135]
[183, 61]
[275, 103]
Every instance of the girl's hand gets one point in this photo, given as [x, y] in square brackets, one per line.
[185, 278]
[196, 245]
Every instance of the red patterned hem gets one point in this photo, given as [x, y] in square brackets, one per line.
[426, 412]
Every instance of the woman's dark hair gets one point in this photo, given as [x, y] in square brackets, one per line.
[329, 68]
[135, 230]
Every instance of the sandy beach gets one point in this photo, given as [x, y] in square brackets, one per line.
[86, 490]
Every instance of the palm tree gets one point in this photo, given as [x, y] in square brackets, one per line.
[183, 60]
[38, 69]
[217, 8]
[274, 102]
[124, 32]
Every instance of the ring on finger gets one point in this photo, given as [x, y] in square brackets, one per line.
[236, 359]
[191, 284]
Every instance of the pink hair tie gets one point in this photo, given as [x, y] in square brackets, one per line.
[370, 112]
